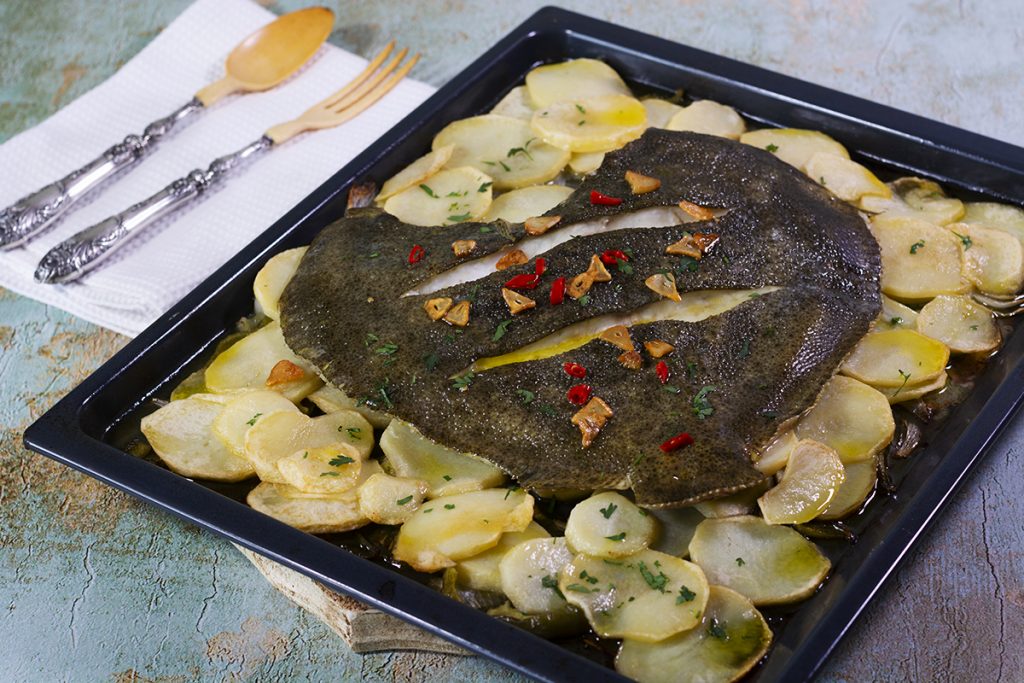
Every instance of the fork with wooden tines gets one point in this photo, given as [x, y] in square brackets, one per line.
[82, 252]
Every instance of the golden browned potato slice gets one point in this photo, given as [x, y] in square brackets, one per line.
[391, 500]
[416, 172]
[315, 513]
[659, 112]
[181, 433]
[993, 259]
[452, 196]
[911, 391]
[586, 162]
[572, 80]
[960, 323]
[855, 489]
[776, 454]
[331, 399]
[504, 148]
[846, 179]
[516, 103]
[928, 199]
[919, 260]
[281, 434]
[894, 358]
[729, 641]
[518, 205]
[894, 314]
[244, 410]
[609, 525]
[850, 417]
[273, 278]
[740, 503]
[710, 118]
[528, 576]
[596, 124]
[648, 596]
[1003, 217]
[809, 482]
[482, 572]
[325, 469]
[452, 528]
[795, 146]
[769, 564]
[247, 363]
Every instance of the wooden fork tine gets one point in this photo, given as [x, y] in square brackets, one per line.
[358, 80]
[340, 101]
[371, 97]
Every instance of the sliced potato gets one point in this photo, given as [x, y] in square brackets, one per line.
[504, 148]
[609, 525]
[895, 314]
[810, 481]
[575, 79]
[242, 411]
[331, 399]
[729, 641]
[960, 323]
[850, 417]
[325, 469]
[1003, 217]
[516, 103]
[776, 454]
[647, 596]
[993, 259]
[416, 172]
[247, 363]
[919, 260]
[518, 205]
[677, 527]
[769, 564]
[928, 200]
[528, 575]
[391, 500]
[410, 454]
[586, 163]
[893, 358]
[857, 485]
[740, 503]
[181, 433]
[844, 178]
[452, 528]
[453, 196]
[710, 118]
[795, 146]
[317, 514]
[912, 391]
[273, 278]
[659, 112]
[596, 124]
[281, 434]
[482, 572]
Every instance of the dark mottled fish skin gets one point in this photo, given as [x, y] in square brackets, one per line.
[781, 230]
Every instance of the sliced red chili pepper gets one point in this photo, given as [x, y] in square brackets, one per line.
[575, 370]
[676, 442]
[540, 266]
[662, 369]
[524, 281]
[557, 291]
[578, 394]
[613, 256]
[598, 199]
[417, 253]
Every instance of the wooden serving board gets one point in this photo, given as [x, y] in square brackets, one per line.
[363, 628]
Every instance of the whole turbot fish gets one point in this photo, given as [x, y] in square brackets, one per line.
[776, 284]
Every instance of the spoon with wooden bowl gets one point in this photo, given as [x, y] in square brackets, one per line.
[260, 62]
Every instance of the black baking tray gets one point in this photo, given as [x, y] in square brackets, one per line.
[80, 430]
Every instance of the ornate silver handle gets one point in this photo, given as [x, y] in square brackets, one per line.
[32, 214]
[82, 252]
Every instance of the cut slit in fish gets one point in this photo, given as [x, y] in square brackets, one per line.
[653, 217]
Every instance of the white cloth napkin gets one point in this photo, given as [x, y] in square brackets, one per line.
[143, 279]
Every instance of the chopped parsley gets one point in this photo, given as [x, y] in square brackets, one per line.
[772, 148]
[459, 218]
[403, 501]
[588, 578]
[915, 246]
[964, 239]
[583, 300]
[457, 194]
[428, 510]
[484, 186]
[687, 263]
[671, 389]
[744, 349]
[430, 361]
[430, 192]
[339, 460]
[580, 109]
[715, 630]
[691, 370]
[685, 595]
[621, 536]
[974, 327]
[906, 378]
[371, 339]
[446, 477]
[579, 588]
[624, 267]
[449, 506]
[486, 228]
[510, 491]
[656, 582]
[524, 150]
[740, 562]
[252, 420]
[702, 407]
[330, 474]
[354, 433]
[501, 329]
[608, 511]
[388, 349]
[374, 254]
[552, 583]
[525, 395]
[463, 381]
[896, 320]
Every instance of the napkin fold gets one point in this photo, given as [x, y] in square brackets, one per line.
[158, 267]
